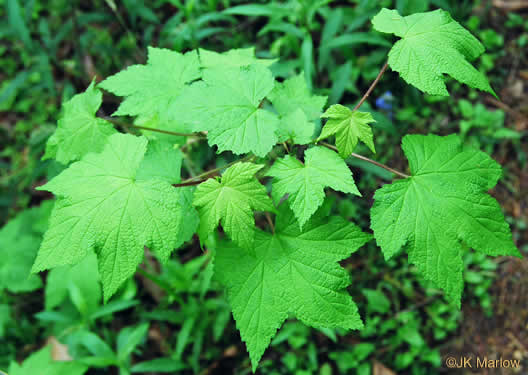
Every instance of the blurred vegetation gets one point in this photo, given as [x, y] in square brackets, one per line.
[174, 318]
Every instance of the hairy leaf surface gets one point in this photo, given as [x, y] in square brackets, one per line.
[79, 131]
[150, 89]
[440, 207]
[106, 202]
[432, 44]
[305, 183]
[232, 201]
[290, 272]
[226, 104]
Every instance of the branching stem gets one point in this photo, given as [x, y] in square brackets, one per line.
[270, 222]
[372, 85]
[120, 123]
[196, 180]
[328, 145]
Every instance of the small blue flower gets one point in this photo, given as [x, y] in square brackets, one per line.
[385, 101]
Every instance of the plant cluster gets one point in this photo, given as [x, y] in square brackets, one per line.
[120, 193]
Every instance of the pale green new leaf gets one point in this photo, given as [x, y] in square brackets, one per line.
[150, 89]
[79, 131]
[106, 204]
[305, 183]
[348, 127]
[232, 58]
[41, 363]
[226, 104]
[295, 126]
[232, 201]
[432, 44]
[440, 208]
[290, 272]
[293, 93]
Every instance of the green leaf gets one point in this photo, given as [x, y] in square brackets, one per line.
[348, 126]
[292, 94]
[231, 201]
[83, 276]
[440, 208]
[79, 131]
[290, 272]
[105, 204]
[162, 161]
[159, 365]
[226, 104]
[295, 126]
[129, 338]
[19, 242]
[305, 183]
[232, 58]
[432, 44]
[42, 363]
[150, 89]
[5, 318]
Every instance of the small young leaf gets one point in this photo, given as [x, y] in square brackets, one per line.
[106, 205]
[290, 272]
[226, 104]
[432, 44]
[150, 89]
[232, 201]
[305, 183]
[79, 131]
[442, 206]
[348, 126]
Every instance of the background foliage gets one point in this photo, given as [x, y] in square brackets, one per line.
[175, 318]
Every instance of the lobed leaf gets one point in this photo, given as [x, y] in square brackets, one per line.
[304, 183]
[432, 44]
[290, 272]
[105, 203]
[440, 208]
[231, 201]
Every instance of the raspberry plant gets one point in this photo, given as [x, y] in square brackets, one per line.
[121, 193]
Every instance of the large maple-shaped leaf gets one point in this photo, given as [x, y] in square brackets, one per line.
[231, 201]
[348, 127]
[432, 44]
[106, 202]
[232, 58]
[79, 131]
[290, 272]
[305, 183]
[150, 89]
[442, 206]
[226, 104]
